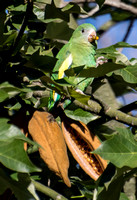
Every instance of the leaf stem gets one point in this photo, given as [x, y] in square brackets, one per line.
[48, 191]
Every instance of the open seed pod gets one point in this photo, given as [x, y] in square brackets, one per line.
[81, 142]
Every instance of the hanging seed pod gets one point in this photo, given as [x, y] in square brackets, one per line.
[46, 132]
[81, 143]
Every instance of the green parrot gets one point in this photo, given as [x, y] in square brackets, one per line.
[79, 51]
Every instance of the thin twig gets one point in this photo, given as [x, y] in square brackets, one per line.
[127, 33]
[48, 191]
[128, 30]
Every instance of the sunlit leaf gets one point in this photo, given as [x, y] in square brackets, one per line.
[129, 74]
[80, 115]
[10, 90]
[122, 146]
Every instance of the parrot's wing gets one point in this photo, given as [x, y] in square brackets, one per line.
[64, 61]
[66, 64]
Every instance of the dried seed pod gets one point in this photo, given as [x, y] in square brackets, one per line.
[81, 142]
[46, 132]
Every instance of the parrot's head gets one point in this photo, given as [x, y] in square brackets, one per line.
[85, 34]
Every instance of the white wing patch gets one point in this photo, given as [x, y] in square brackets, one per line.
[65, 65]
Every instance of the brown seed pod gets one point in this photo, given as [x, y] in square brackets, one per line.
[46, 132]
[81, 142]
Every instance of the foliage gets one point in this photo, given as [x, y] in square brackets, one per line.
[31, 34]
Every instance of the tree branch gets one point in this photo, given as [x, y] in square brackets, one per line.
[90, 13]
[47, 191]
[112, 3]
[24, 24]
[101, 107]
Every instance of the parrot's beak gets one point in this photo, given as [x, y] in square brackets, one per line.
[92, 37]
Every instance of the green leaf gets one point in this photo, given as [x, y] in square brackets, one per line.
[113, 190]
[73, 8]
[43, 63]
[101, 70]
[44, 1]
[120, 15]
[38, 12]
[113, 54]
[3, 95]
[9, 91]
[12, 153]
[80, 115]
[123, 196]
[129, 74]
[124, 44]
[80, 97]
[63, 31]
[121, 149]
[13, 156]
[21, 7]
[9, 38]
[22, 189]
[52, 12]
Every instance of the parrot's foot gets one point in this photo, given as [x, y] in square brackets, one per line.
[101, 60]
[79, 91]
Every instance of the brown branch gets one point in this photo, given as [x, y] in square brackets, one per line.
[90, 13]
[112, 3]
[108, 111]
[121, 5]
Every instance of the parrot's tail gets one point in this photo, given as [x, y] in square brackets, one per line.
[53, 99]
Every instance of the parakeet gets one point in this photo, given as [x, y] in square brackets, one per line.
[79, 51]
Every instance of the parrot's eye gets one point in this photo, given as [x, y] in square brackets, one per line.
[83, 30]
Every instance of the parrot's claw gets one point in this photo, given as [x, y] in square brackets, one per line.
[101, 60]
[79, 91]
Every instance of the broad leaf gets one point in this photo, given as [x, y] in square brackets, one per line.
[123, 196]
[43, 63]
[112, 54]
[12, 153]
[63, 31]
[22, 189]
[80, 115]
[52, 12]
[9, 91]
[129, 74]
[73, 8]
[101, 70]
[13, 156]
[124, 44]
[121, 149]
